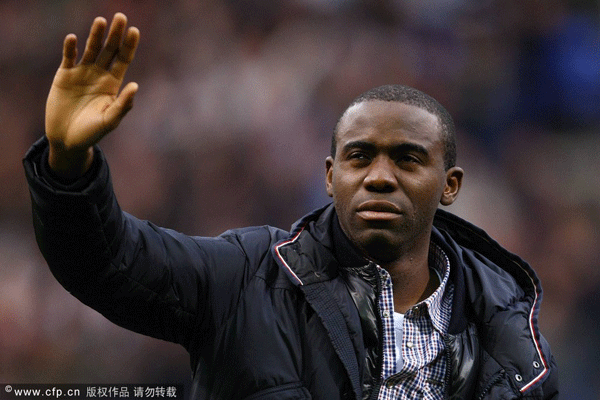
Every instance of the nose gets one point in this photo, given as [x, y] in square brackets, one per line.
[380, 176]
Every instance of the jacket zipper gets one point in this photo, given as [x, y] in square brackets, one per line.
[377, 385]
[448, 365]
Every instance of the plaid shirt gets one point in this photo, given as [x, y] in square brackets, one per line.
[424, 363]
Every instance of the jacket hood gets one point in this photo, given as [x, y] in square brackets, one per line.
[503, 293]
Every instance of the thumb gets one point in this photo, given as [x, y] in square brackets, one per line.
[121, 106]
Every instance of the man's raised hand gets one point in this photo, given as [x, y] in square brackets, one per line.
[84, 103]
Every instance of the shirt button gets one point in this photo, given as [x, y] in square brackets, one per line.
[386, 314]
[409, 345]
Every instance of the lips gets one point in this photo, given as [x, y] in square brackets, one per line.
[379, 210]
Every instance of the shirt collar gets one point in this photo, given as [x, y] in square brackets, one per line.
[437, 304]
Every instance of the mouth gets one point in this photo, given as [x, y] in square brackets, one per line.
[378, 210]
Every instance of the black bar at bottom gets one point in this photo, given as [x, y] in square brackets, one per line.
[90, 391]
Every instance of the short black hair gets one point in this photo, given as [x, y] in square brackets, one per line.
[411, 96]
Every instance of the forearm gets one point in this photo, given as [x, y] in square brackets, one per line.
[93, 249]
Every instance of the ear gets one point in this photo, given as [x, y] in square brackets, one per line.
[454, 178]
[329, 175]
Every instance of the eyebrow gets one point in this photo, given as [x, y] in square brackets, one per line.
[399, 148]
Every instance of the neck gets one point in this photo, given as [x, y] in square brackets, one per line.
[412, 280]
[409, 269]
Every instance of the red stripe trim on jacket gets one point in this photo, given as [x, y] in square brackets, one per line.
[283, 261]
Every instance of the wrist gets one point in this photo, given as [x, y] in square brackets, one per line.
[70, 165]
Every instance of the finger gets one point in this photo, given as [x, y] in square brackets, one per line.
[126, 53]
[121, 106]
[69, 51]
[93, 44]
[113, 41]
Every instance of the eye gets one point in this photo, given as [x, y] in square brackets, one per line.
[409, 158]
[358, 155]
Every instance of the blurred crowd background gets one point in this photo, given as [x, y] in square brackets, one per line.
[232, 124]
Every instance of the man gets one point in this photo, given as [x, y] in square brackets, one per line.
[378, 295]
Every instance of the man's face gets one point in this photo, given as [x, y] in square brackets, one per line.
[388, 177]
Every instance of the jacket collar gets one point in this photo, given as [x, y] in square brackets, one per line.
[307, 255]
[345, 252]
[317, 241]
[320, 234]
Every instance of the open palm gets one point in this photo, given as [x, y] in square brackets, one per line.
[84, 103]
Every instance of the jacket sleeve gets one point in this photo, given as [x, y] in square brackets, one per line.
[150, 280]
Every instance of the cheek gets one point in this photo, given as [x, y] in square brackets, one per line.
[342, 194]
[339, 196]
[426, 194]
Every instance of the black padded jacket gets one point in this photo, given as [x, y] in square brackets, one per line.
[270, 314]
